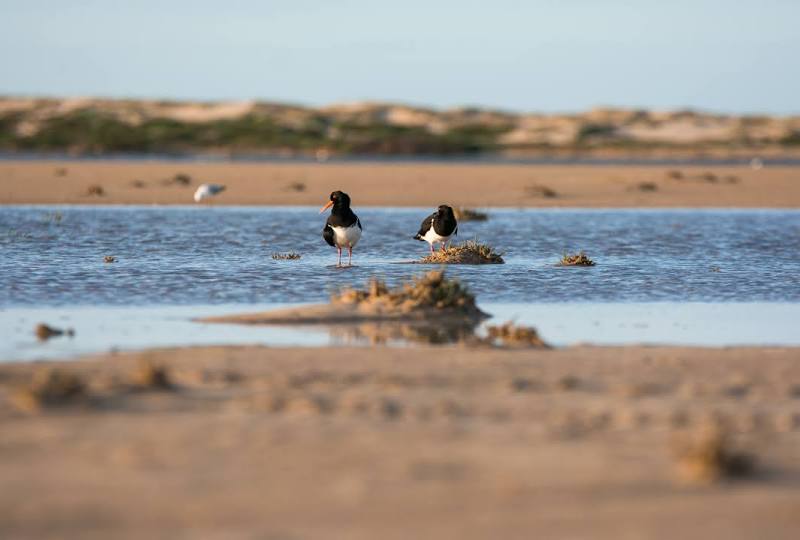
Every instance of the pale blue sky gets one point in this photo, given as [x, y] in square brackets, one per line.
[569, 55]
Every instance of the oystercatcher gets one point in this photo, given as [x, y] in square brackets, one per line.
[205, 191]
[438, 227]
[343, 228]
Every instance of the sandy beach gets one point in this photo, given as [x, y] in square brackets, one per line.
[254, 442]
[413, 184]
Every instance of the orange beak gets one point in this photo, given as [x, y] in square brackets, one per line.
[330, 203]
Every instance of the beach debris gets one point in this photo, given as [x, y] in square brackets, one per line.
[647, 186]
[60, 171]
[205, 191]
[109, 259]
[152, 376]
[469, 214]
[45, 332]
[513, 335]
[296, 186]
[675, 174]
[290, 256]
[708, 455]
[49, 388]
[541, 191]
[469, 252]
[577, 259]
[732, 179]
[709, 177]
[138, 183]
[95, 190]
[431, 290]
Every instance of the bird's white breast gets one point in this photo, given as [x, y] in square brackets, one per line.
[433, 237]
[346, 236]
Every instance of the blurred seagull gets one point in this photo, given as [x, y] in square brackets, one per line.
[207, 190]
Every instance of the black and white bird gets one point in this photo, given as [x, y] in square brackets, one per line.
[438, 227]
[343, 228]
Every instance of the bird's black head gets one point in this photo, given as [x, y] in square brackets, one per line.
[340, 202]
[340, 199]
[445, 210]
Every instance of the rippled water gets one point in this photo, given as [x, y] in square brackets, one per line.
[51, 256]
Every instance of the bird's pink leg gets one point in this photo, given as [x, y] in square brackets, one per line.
[431, 246]
[444, 247]
[349, 255]
[339, 260]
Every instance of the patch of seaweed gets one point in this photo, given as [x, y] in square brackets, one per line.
[708, 456]
[50, 388]
[469, 252]
[431, 290]
[513, 335]
[469, 214]
[290, 256]
[576, 259]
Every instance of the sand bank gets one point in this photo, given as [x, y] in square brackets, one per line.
[427, 185]
[427, 442]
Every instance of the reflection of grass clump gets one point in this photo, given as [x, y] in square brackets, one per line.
[512, 335]
[290, 256]
[469, 252]
[428, 291]
[50, 388]
[577, 259]
[469, 214]
[708, 456]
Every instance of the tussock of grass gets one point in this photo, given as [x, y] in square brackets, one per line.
[469, 214]
[430, 291]
[153, 377]
[512, 335]
[577, 259]
[49, 388]
[95, 191]
[469, 252]
[709, 456]
[109, 259]
[290, 256]
[45, 332]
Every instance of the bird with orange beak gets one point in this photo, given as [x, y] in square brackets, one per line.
[343, 228]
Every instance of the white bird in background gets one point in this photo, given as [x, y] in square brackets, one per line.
[207, 190]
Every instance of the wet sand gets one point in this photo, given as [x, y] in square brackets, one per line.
[426, 442]
[374, 184]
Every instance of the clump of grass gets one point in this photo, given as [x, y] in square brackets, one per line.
[709, 456]
[541, 191]
[576, 259]
[95, 191]
[179, 179]
[49, 388]
[469, 214]
[469, 252]
[290, 256]
[45, 332]
[512, 335]
[109, 259]
[647, 186]
[151, 376]
[296, 186]
[431, 290]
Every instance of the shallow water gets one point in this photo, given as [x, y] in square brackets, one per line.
[51, 256]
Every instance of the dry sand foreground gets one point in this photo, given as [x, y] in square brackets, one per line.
[402, 184]
[397, 443]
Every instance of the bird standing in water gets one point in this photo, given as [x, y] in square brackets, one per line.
[438, 227]
[343, 228]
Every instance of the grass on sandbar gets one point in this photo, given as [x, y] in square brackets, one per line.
[577, 259]
[431, 290]
[469, 252]
[290, 256]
